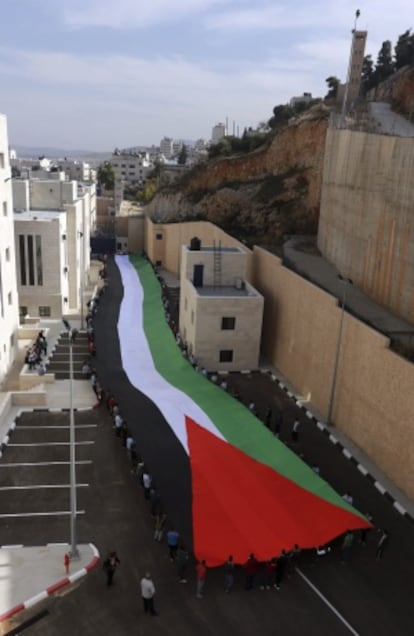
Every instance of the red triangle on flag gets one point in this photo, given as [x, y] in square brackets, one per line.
[241, 505]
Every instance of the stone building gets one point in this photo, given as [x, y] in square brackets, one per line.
[220, 312]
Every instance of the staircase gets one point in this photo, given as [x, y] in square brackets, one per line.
[59, 360]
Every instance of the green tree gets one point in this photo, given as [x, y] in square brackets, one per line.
[106, 175]
[367, 74]
[404, 50]
[281, 115]
[333, 83]
[384, 66]
[182, 156]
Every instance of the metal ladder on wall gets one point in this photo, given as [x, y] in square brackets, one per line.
[217, 264]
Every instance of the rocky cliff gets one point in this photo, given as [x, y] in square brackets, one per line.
[258, 197]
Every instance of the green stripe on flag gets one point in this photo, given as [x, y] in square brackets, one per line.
[236, 423]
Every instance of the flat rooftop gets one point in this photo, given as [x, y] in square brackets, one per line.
[37, 215]
[227, 291]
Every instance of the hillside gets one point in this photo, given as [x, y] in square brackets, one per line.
[259, 197]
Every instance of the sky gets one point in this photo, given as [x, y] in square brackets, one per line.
[100, 74]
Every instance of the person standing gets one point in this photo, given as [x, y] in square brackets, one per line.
[146, 483]
[278, 423]
[382, 543]
[281, 565]
[147, 594]
[201, 573]
[364, 531]
[347, 546]
[110, 564]
[250, 566]
[295, 431]
[181, 559]
[172, 541]
[229, 574]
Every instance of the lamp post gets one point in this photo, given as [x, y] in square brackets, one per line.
[345, 282]
[74, 552]
[81, 278]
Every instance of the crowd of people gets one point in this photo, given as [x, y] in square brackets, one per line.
[253, 574]
[36, 354]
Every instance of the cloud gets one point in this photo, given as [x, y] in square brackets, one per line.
[132, 13]
[104, 101]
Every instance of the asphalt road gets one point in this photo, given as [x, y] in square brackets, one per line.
[369, 597]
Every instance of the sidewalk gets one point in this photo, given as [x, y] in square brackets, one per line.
[32, 574]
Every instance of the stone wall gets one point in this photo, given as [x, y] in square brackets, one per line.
[366, 224]
[373, 399]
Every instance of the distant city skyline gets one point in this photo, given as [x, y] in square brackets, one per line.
[96, 74]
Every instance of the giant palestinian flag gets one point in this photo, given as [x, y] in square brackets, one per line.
[237, 487]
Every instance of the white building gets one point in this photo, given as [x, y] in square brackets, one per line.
[166, 147]
[9, 318]
[53, 221]
[129, 168]
[218, 132]
[302, 99]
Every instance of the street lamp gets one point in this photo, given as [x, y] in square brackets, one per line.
[74, 552]
[80, 234]
[345, 283]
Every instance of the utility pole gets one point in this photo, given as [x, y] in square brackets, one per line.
[345, 282]
[74, 552]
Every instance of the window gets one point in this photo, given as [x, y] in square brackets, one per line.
[1, 160]
[226, 355]
[22, 259]
[30, 252]
[192, 317]
[9, 298]
[39, 266]
[185, 304]
[4, 208]
[7, 254]
[228, 323]
[44, 312]
[158, 263]
[158, 237]
[22, 311]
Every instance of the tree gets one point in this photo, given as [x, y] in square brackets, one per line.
[106, 175]
[281, 115]
[183, 155]
[367, 74]
[333, 83]
[384, 66]
[404, 50]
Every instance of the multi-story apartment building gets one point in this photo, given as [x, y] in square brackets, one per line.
[166, 147]
[9, 318]
[129, 168]
[53, 222]
[218, 132]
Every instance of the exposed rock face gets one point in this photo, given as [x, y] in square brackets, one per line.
[260, 196]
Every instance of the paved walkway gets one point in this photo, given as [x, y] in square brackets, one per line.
[389, 122]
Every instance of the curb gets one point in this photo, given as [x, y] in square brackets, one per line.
[328, 433]
[49, 591]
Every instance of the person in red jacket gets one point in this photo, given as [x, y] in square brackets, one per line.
[250, 566]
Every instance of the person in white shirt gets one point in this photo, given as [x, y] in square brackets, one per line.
[147, 594]
[146, 482]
